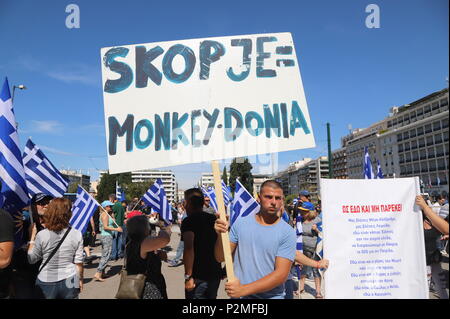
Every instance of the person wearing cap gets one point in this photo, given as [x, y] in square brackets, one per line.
[107, 228]
[24, 274]
[310, 233]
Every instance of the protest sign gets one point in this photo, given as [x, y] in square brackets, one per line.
[374, 239]
[189, 101]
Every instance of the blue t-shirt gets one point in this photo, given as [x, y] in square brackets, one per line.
[256, 251]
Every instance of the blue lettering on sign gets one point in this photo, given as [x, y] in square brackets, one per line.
[141, 144]
[247, 50]
[260, 71]
[206, 57]
[195, 128]
[117, 130]
[231, 135]
[144, 67]
[189, 61]
[275, 119]
[162, 131]
[177, 131]
[298, 119]
[272, 120]
[126, 73]
[248, 123]
[211, 124]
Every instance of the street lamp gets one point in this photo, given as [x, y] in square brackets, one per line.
[20, 87]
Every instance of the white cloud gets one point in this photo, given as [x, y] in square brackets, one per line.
[46, 127]
[56, 151]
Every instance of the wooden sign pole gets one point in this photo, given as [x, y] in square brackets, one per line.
[223, 216]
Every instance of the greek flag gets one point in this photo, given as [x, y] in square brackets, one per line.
[40, 174]
[157, 199]
[367, 165]
[319, 244]
[14, 188]
[209, 192]
[227, 198]
[120, 194]
[299, 233]
[82, 210]
[379, 172]
[243, 204]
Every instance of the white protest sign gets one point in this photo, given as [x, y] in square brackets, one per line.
[374, 239]
[188, 101]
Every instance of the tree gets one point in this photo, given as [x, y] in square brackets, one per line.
[242, 169]
[137, 189]
[107, 184]
[72, 188]
[224, 175]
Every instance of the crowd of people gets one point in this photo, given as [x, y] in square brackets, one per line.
[265, 250]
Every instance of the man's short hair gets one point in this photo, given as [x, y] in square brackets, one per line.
[195, 197]
[271, 183]
[112, 197]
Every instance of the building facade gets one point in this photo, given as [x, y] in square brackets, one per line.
[77, 178]
[167, 178]
[340, 163]
[412, 141]
[206, 180]
[258, 179]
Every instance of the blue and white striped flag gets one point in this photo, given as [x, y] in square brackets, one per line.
[82, 210]
[367, 165]
[209, 192]
[319, 244]
[40, 174]
[299, 244]
[243, 203]
[14, 188]
[157, 199]
[120, 194]
[227, 198]
[379, 172]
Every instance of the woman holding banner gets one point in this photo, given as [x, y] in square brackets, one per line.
[433, 227]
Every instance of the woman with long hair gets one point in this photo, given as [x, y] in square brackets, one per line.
[142, 256]
[61, 273]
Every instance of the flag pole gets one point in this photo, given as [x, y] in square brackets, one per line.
[104, 211]
[222, 214]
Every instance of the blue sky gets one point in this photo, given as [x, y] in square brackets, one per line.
[351, 74]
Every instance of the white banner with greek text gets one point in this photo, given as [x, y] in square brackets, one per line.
[374, 239]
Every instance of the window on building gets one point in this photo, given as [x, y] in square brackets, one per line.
[435, 106]
[407, 147]
[430, 140]
[420, 112]
[408, 157]
[440, 150]
[424, 167]
[400, 148]
[399, 137]
[428, 128]
[445, 123]
[427, 109]
[412, 133]
[416, 167]
[432, 165]
[436, 126]
[423, 154]
[441, 164]
[445, 134]
[430, 152]
[405, 135]
[408, 169]
[402, 169]
[389, 124]
[444, 102]
[413, 144]
[401, 158]
[437, 138]
[415, 155]
[421, 142]
[420, 131]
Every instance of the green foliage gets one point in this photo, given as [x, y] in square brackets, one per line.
[133, 190]
[107, 185]
[224, 175]
[72, 188]
[289, 199]
[242, 169]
